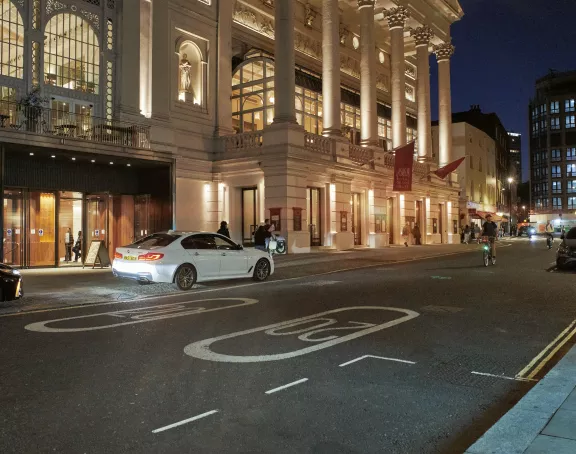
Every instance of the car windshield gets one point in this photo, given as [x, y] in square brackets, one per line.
[154, 241]
[571, 235]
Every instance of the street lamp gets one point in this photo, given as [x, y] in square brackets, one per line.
[510, 181]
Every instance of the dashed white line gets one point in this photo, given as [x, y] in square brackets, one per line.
[377, 357]
[280, 388]
[484, 374]
[185, 421]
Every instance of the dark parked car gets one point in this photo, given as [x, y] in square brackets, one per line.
[566, 255]
[10, 283]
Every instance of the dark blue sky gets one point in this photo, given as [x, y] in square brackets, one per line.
[502, 47]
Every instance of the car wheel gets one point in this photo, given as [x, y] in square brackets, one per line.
[261, 270]
[185, 277]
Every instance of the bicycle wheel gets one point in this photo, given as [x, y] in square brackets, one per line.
[486, 258]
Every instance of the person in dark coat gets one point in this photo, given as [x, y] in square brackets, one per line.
[77, 247]
[223, 230]
[417, 235]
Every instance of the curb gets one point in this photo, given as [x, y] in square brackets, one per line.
[518, 428]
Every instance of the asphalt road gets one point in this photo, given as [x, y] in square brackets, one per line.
[206, 372]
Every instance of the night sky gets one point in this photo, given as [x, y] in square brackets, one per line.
[502, 47]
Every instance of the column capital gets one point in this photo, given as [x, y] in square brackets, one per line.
[397, 17]
[422, 35]
[364, 3]
[444, 51]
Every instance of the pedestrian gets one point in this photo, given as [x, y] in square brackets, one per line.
[406, 234]
[417, 235]
[68, 242]
[223, 230]
[466, 234]
[262, 236]
[77, 247]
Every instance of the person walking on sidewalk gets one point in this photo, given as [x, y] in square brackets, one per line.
[77, 247]
[466, 234]
[417, 235]
[406, 234]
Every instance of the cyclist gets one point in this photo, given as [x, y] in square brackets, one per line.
[490, 229]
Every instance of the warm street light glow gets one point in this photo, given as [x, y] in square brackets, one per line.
[523, 207]
[510, 180]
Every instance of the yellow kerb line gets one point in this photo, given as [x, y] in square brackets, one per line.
[567, 332]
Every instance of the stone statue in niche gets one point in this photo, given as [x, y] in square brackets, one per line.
[186, 89]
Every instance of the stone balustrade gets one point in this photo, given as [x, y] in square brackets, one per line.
[318, 143]
[245, 141]
[361, 155]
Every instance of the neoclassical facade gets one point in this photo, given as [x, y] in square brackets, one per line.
[245, 109]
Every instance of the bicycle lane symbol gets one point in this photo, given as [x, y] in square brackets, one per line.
[135, 316]
[318, 329]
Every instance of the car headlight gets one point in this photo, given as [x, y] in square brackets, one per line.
[16, 272]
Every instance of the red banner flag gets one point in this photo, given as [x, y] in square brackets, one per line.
[403, 166]
[443, 172]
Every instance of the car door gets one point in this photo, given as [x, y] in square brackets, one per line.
[203, 254]
[233, 259]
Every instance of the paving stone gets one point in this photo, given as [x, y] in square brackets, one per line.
[570, 403]
[562, 424]
[544, 444]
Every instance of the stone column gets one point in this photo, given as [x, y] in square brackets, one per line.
[224, 87]
[368, 103]
[331, 68]
[443, 53]
[396, 20]
[162, 60]
[130, 87]
[422, 37]
[285, 62]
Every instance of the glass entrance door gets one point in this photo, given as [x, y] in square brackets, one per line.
[356, 202]
[97, 219]
[249, 213]
[13, 228]
[141, 216]
[41, 228]
[70, 209]
[315, 218]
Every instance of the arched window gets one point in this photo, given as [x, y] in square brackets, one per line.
[71, 54]
[11, 40]
[190, 83]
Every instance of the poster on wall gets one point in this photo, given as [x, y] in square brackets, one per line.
[297, 219]
[343, 221]
[275, 218]
[403, 167]
[40, 232]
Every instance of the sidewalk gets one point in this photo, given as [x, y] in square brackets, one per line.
[49, 288]
[543, 422]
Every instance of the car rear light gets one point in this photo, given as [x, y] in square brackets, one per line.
[151, 256]
[117, 255]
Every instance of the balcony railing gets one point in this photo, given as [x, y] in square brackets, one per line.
[361, 155]
[69, 125]
[244, 141]
[318, 143]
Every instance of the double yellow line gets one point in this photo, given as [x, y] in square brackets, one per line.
[538, 363]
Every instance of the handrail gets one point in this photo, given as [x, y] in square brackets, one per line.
[70, 125]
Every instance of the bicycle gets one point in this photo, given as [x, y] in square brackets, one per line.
[487, 249]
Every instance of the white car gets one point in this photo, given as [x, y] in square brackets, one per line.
[186, 258]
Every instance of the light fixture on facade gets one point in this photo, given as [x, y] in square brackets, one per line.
[73, 159]
[127, 165]
[31, 154]
[92, 160]
[182, 96]
[52, 156]
[111, 163]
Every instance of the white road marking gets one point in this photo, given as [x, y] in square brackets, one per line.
[201, 349]
[289, 385]
[318, 283]
[377, 357]
[503, 376]
[233, 287]
[185, 421]
[139, 315]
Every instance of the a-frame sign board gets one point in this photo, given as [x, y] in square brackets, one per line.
[97, 255]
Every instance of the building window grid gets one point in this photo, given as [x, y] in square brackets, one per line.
[571, 186]
[556, 156]
[571, 170]
[71, 54]
[11, 41]
[555, 107]
[557, 203]
[571, 203]
[556, 172]
[556, 187]
[571, 154]
[555, 123]
[570, 121]
[569, 105]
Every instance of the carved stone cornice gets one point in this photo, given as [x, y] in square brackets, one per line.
[253, 20]
[308, 46]
[397, 17]
[422, 35]
[310, 16]
[444, 51]
[268, 3]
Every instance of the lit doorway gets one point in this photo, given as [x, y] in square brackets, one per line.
[390, 209]
[96, 219]
[41, 229]
[441, 221]
[13, 227]
[70, 208]
[249, 215]
[315, 219]
[356, 202]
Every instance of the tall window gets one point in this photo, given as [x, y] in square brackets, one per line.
[571, 203]
[11, 41]
[556, 187]
[557, 203]
[556, 155]
[570, 121]
[543, 109]
[571, 186]
[555, 107]
[555, 123]
[571, 170]
[309, 110]
[571, 154]
[71, 54]
[569, 105]
[556, 172]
